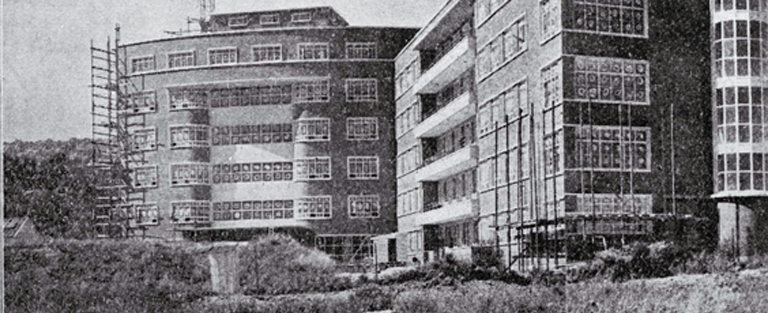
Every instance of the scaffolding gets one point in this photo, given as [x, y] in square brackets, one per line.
[113, 156]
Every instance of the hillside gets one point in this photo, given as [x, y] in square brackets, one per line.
[50, 182]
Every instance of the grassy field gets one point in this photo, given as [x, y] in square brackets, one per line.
[279, 275]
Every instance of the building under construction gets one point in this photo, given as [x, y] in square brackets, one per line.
[274, 121]
[545, 129]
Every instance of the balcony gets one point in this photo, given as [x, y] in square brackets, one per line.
[441, 166]
[447, 68]
[447, 117]
[446, 212]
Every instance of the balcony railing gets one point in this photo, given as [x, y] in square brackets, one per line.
[430, 57]
[433, 103]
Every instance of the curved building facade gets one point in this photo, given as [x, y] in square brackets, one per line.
[740, 94]
[268, 121]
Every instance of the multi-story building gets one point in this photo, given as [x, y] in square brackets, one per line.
[265, 121]
[537, 128]
[740, 94]
[436, 143]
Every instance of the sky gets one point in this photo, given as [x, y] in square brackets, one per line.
[46, 57]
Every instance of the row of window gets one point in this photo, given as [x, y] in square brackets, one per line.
[740, 48]
[741, 171]
[306, 169]
[600, 79]
[308, 208]
[451, 141]
[752, 5]
[506, 46]
[450, 92]
[626, 18]
[356, 90]
[307, 130]
[255, 172]
[407, 77]
[740, 114]
[408, 119]
[611, 148]
[409, 160]
[251, 134]
[507, 106]
[409, 202]
[588, 204]
[259, 53]
[194, 211]
[508, 167]
[344, 248]
[456, 187]
[437, 51]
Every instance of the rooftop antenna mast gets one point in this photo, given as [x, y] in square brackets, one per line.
[206, 8]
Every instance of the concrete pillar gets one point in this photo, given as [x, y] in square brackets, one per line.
[225, 270]
[736, 223]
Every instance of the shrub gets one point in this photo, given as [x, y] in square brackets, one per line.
[278, 264]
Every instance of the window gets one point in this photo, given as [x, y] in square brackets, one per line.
[612, 148]
[740, 115]
[181, 59]
[316, 91]
[362, 128]
[552, 153]
[510, 43]
[144, 139]
[190, 212]
[143, 64]
[406, 78]
[361, 50]
[740, 48]
[253, 210]
[409, 160]
[551, 22]
[315, 168]
[269, 19]
[188, 136]
[608, 80]
[301, 17]
[187, 99]
[741, 171]
[551, 79]
[363, 89]
[313, 51]
[588, 204]
[189, 174]
[313, 129]
[147, 214]
[145, 177]
[141, 102]
[314, 208]
[363, 167]
[625, 18]
[222, 55]
[238, 21]
[250, 96]
[345, 248]
[264, 53]
[252, 172]
[252, 134]
[452, 140]
[363, 206]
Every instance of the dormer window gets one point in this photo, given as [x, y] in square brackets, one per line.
[269, 19]
[238, 21]
[301, 17]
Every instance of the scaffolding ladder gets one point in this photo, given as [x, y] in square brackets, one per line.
[113, 157]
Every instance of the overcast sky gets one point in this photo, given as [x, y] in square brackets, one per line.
[46, 58]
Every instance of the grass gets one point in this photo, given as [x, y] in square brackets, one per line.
[280, 275]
